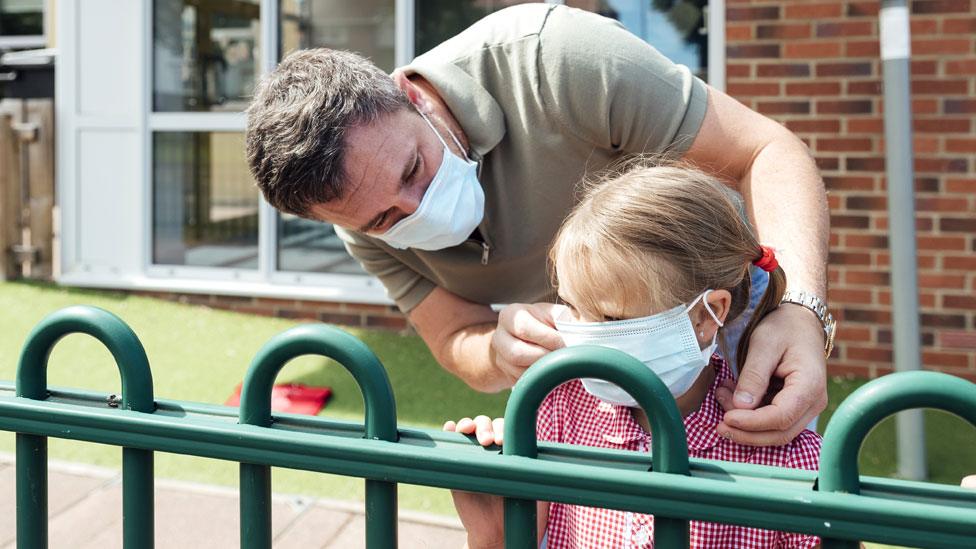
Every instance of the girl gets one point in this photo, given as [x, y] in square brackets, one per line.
[652, 262]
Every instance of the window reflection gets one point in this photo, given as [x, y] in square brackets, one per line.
[205, 203]
[438, 20]
[205, 54]
[367, 27]
[675, 27]
[21, 17]
[310, 246]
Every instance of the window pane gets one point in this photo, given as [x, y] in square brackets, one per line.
[366, 27]
[675, 27]
[205, 203]
[310, 246]
[205, 54]
[21, 17]
[438, 20]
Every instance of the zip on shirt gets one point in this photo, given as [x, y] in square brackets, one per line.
[478, 237]
[485, 250]
[485, 246]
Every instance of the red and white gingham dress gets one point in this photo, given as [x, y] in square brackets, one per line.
[571, 415]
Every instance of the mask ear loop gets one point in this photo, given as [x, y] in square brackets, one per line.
[449, 132]
[708, 308]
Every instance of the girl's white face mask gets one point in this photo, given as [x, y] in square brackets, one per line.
[451, 208]
[664, 342]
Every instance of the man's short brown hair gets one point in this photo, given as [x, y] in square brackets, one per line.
[297, 121]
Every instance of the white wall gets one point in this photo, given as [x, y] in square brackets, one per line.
[100, 114]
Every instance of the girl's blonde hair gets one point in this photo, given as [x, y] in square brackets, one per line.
[663, 233]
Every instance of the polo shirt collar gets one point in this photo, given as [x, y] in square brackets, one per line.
[471, 104]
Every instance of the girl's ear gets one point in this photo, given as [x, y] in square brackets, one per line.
[719, 301]
[414, 93]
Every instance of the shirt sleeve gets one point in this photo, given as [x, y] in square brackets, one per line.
[615, 90]
[404, 285]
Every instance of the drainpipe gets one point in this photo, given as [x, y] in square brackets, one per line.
[900, 172]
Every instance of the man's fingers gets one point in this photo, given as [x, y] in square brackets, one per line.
[753, 438]
[449, 426]
[533, 325]
[761, 362]
[739, 426]
[772, 437]
[774, 417]
[723, 394]
[515, 353]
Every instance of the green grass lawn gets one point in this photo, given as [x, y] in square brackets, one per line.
[200, 354]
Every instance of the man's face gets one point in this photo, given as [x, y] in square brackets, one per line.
[389, 165]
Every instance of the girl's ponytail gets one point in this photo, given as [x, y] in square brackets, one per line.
[770, 299]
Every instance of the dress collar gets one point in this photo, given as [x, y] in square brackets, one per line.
[620, 427]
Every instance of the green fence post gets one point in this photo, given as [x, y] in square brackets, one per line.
[380, 411]
[870, 404]
[669, 445]
[137, 395]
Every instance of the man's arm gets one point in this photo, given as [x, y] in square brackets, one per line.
[786, 202]
[487, 350]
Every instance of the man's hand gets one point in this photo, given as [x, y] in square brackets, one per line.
[787, 344]
[525, 333]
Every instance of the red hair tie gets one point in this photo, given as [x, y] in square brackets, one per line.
[767, 259]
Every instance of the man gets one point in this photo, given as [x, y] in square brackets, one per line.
[448, 181]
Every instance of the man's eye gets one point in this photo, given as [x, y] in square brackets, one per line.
[611, 318]
[416, 168]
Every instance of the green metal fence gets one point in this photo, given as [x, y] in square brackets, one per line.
[840, 506]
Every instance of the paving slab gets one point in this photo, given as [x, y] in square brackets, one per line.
[85, 510]
[65, 489]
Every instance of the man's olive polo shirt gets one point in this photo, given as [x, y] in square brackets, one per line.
[546, 95]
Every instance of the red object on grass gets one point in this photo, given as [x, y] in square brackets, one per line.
[291, 398]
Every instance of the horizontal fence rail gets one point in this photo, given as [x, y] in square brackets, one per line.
[839, 506]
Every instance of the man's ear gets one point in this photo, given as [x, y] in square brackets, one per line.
[414, 93]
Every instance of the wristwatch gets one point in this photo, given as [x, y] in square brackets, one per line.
[819, 308]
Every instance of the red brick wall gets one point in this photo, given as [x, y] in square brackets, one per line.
[346, 314]
[814, 66]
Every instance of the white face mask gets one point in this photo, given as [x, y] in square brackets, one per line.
[453, 205]
[664, 342]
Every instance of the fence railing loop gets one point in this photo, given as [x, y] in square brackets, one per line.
[669, 445]
[873, 402]
[137, 395]
[380, 424]
[870, 404]
[115, 334]
[330, 342]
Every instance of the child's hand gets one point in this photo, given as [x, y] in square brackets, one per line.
[488, 431]
[481, 514]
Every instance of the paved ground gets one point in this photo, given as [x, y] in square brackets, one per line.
[85, 511]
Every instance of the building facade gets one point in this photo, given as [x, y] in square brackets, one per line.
[154, 194]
